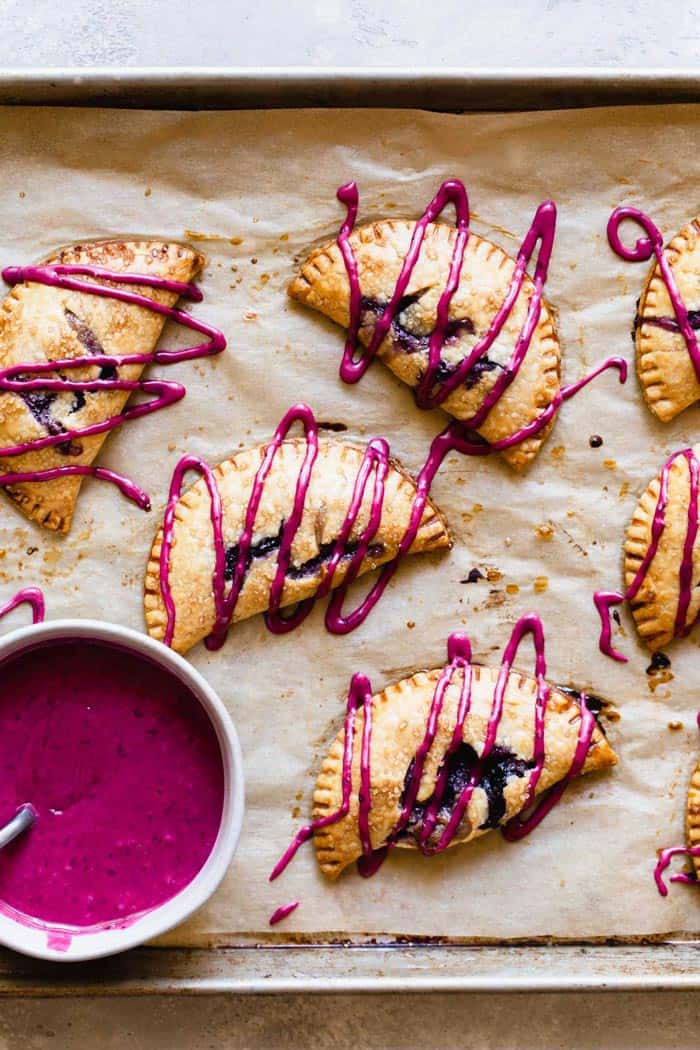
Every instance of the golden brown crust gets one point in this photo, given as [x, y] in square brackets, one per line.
[40, 323]
[399, 716]
[380, 249]
[655, 605]
[692, 816]
[327, 500]
[664, 366]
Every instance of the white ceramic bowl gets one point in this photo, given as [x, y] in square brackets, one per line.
[45, 941]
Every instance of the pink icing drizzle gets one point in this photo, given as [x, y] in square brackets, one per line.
[667, 855]
[431, 392]
[282, 912]
[459, 659]
[665, 858]
[604, 600]
[644, 248]
[33, 597]
[164, 393]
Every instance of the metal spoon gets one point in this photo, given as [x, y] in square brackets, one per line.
[23, 819]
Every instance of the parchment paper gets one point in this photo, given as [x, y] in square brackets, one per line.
[255, 190]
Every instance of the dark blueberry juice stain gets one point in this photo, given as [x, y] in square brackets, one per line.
[473, 576]
[659, 662]
[336, 428]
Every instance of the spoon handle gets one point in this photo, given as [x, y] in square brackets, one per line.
[23, 819]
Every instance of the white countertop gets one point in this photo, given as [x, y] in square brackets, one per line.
[516, 33]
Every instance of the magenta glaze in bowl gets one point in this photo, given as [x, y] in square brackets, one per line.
[134, 767]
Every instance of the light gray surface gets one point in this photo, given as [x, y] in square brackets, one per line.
[478, 1022]
[349, 32]
[518, 33]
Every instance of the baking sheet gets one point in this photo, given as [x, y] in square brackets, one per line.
[253, 190]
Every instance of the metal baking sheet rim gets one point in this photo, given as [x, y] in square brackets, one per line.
[341, 969]
[394, 966]
[290, 86]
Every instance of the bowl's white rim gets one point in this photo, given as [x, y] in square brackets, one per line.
[97, 943]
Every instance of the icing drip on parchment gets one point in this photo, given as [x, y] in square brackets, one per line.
[28, 379]
[31, 596]
[666, 856]
[433, 388]
[458, 668]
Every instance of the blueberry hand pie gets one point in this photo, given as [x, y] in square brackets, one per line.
[450, 314]
[662, 557]
[668, 313]
[443, 757]
[280, 525]
[53, 421]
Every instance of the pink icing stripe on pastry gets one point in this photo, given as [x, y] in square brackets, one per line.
[604, 600]
[459, 658]
[432, 392]
[644, 248]
[14, 379]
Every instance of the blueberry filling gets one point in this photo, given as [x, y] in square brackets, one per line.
[269, 544]
[311, 567]
[497, 770]
[88, 339]
[445, 370]
[39, 404]
[411, 343]
[670, 324]
[261, 549]
[492, 775]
